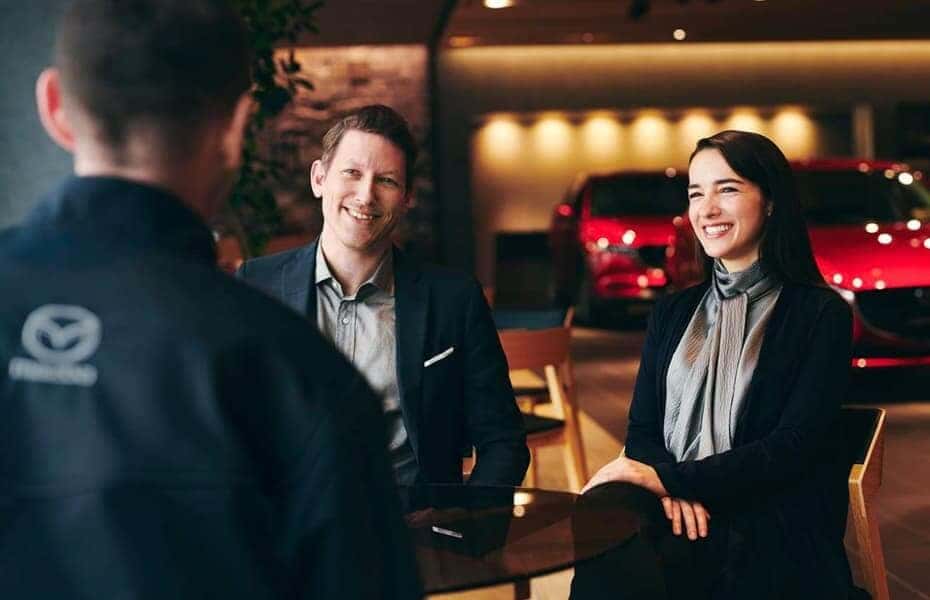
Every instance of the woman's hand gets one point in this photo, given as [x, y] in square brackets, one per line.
[689, 513]
[630, 471]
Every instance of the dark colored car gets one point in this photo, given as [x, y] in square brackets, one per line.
[609, 238]
[869, 224]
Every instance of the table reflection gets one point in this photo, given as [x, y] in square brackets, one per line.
[474, 536]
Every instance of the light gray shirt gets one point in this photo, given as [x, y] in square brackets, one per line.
[363, 326]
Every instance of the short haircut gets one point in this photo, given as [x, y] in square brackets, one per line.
[379, 120]
[175, 64]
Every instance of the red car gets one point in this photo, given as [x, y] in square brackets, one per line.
[869, 224]
[609, 238]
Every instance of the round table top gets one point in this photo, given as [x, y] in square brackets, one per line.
[474, 536]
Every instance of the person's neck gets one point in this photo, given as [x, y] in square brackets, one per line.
[185, 179]
[350, 267]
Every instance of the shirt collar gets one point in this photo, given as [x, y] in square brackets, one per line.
[382, 279]
[128, 213]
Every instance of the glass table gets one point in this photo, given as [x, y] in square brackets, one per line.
[474, 536]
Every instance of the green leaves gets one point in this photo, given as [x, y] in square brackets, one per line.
[272, 24]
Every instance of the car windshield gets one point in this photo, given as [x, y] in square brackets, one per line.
[851, 197]
[639, 195]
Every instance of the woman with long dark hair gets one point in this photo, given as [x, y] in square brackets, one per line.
[734, 420]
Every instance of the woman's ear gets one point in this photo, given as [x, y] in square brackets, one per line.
[51, 110]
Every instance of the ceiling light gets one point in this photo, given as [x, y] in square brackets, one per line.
[679, 34]
[462, 41]
[498, 3]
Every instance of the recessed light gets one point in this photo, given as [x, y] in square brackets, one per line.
[463, 41]
[679, 34]
[498, 3]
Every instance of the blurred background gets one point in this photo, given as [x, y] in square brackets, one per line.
[555, 138]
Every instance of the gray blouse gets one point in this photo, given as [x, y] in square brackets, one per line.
[711, 369]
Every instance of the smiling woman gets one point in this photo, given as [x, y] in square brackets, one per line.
[727, 211]
[736, 406]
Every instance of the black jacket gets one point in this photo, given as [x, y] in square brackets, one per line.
[463, 399]
[168, 432]
[780, 492]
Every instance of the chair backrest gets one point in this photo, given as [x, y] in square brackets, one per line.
[863, 428]
[864, 431]
[536, 348]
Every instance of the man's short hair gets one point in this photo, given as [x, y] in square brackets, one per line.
[379, 120]
[172, 63]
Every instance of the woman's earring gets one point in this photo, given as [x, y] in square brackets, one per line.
[768, 211]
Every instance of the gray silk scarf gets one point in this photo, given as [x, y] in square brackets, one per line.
[713, 364]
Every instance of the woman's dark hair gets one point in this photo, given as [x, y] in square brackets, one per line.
[785, 249]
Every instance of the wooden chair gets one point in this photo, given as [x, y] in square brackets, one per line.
[548, 350]
[528, 387]
[865, 434]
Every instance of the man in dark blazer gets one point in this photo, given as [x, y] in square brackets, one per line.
[423, 336]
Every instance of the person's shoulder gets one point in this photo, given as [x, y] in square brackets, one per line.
[9, 238]
[443, 280]
[271, 263]
[817, 299]
[251, 318]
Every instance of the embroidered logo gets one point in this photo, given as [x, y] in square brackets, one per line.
[58, 337]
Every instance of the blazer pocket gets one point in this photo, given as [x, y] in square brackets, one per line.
[439, 357]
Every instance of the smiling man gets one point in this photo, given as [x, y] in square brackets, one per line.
[423, 336]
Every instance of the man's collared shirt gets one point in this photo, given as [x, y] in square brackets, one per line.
[362, 326]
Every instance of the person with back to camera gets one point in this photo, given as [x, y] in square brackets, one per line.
[734, 424]
[167, 431]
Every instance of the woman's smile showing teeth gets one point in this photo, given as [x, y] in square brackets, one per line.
[713, 231]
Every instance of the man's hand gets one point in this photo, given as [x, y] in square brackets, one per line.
[689, 513]
[629, 471]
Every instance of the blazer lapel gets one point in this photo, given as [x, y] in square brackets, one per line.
[297, 288]
[411, 306]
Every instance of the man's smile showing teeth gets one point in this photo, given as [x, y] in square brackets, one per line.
[716, 230]
[360, 216]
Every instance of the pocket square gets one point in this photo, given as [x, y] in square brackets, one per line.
[439, 356]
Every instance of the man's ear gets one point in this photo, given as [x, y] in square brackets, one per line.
[235, 132]
[410, 199]
[317, 174]
[51, 110]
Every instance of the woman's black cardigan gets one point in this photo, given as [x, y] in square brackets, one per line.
[781, 491]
